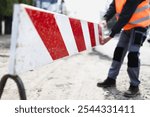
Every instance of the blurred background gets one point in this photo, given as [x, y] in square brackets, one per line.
[90, 10]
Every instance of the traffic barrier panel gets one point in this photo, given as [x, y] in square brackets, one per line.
[39, 37]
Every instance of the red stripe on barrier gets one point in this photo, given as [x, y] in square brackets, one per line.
[48, 30]
[78, 34]
[92, 33]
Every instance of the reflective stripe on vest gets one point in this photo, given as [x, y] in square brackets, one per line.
[141, 16]
[138, 9]
[142, 8]
[140, 20]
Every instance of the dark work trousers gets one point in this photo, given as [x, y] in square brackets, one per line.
[130, 41]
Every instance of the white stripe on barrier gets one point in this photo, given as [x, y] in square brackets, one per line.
[86, 34]
[31, 51]
[14, 40]
[67, 34]
[96, 33]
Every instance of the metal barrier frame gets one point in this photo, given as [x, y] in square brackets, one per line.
[18, 82]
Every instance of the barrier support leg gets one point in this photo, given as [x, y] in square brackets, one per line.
[19, 83]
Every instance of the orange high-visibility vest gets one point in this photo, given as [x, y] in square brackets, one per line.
[141, 16]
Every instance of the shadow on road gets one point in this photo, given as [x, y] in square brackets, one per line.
[100, 55]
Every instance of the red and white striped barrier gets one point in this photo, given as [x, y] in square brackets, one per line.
[40, 37]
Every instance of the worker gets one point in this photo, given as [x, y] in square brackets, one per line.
[133, 19]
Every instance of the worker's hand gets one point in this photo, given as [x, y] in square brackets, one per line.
[104, 40]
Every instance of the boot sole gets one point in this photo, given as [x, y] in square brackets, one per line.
[106, 86]
[131, 96]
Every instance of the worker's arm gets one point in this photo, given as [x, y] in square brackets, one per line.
[124, 17]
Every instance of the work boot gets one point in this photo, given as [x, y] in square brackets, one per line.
[109, 82]
[132, 91]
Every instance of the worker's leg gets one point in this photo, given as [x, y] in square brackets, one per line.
[138, 36]
[136, 41]
[119, 53]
